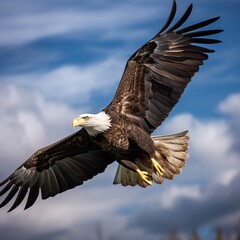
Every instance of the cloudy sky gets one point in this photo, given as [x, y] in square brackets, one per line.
[62, 58]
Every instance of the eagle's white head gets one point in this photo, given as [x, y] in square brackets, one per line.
[93, 123]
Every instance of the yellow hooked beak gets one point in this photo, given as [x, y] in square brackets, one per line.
[78, 122]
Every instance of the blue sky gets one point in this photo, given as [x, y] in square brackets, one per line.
[62, 58]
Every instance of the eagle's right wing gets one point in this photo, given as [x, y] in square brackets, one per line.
[158, 72]
[54, 169]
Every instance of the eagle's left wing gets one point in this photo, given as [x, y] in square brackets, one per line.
[54, 169]
[157, 74]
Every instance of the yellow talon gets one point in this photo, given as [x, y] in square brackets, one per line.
[145, 176]
[157, 166]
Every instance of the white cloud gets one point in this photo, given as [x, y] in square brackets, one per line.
[231, 105]
[71, 83]
[173, 193]
[215, 202]
[170, 195]
[24, 27]
[228, 176]
[28, 122]
[77, 211]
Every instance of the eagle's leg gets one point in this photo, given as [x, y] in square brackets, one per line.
[157, 166]
[146, 177]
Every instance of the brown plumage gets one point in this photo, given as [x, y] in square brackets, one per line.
[152, 83]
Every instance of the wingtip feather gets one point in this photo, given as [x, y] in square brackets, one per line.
[169, 19]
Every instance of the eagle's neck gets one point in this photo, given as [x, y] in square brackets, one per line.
[100, 123]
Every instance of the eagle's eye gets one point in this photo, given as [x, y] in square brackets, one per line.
[85, 117]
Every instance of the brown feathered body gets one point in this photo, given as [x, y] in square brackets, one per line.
[124, 139]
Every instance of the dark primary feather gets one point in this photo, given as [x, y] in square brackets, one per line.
[157, 73]
[54, 169]
[169, 19]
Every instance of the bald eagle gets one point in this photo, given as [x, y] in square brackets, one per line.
[152, 83]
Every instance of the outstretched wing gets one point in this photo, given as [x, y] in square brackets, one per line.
[157, 73]
[54, 169]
